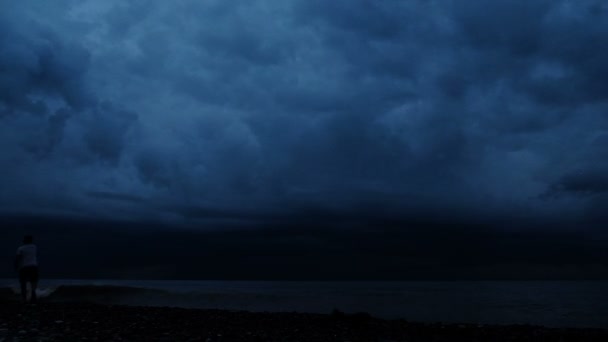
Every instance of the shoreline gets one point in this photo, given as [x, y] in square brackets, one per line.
[77, 321]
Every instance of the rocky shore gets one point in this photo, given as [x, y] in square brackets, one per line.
[94, 322]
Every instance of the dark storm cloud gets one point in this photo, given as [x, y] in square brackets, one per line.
[54, 126]
[106, 131]
[34, 68]
[41, 85]
[337, 110]
[115, 196]
[552, 51]
[587, 183]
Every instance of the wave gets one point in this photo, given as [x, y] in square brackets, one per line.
[85, 293]
[141, 296]
[103, 291]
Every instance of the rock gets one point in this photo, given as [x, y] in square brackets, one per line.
[59, 322]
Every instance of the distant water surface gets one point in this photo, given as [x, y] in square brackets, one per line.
[549, 303]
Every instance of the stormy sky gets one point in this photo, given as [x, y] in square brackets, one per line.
[348, 114]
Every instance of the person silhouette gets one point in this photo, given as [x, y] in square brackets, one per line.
[26, 263]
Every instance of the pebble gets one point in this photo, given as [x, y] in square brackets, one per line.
[115, 324]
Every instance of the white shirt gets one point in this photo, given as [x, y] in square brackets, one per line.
[27, 253]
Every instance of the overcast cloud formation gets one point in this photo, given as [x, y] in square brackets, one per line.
[207, 112]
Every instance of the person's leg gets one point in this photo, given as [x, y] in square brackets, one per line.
[23, 283]
[34, 298]
[34, 282]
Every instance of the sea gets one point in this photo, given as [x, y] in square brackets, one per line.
[582, 304]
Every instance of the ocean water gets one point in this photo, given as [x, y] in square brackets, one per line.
[548, 303]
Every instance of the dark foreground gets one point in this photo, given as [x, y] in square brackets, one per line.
[93, 322]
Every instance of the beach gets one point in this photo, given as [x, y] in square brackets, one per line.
[80, 321]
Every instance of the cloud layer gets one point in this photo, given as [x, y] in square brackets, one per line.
[204, 112]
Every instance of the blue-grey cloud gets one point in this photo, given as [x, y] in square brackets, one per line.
[265, 109]
[115, 196]
[587, 183]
